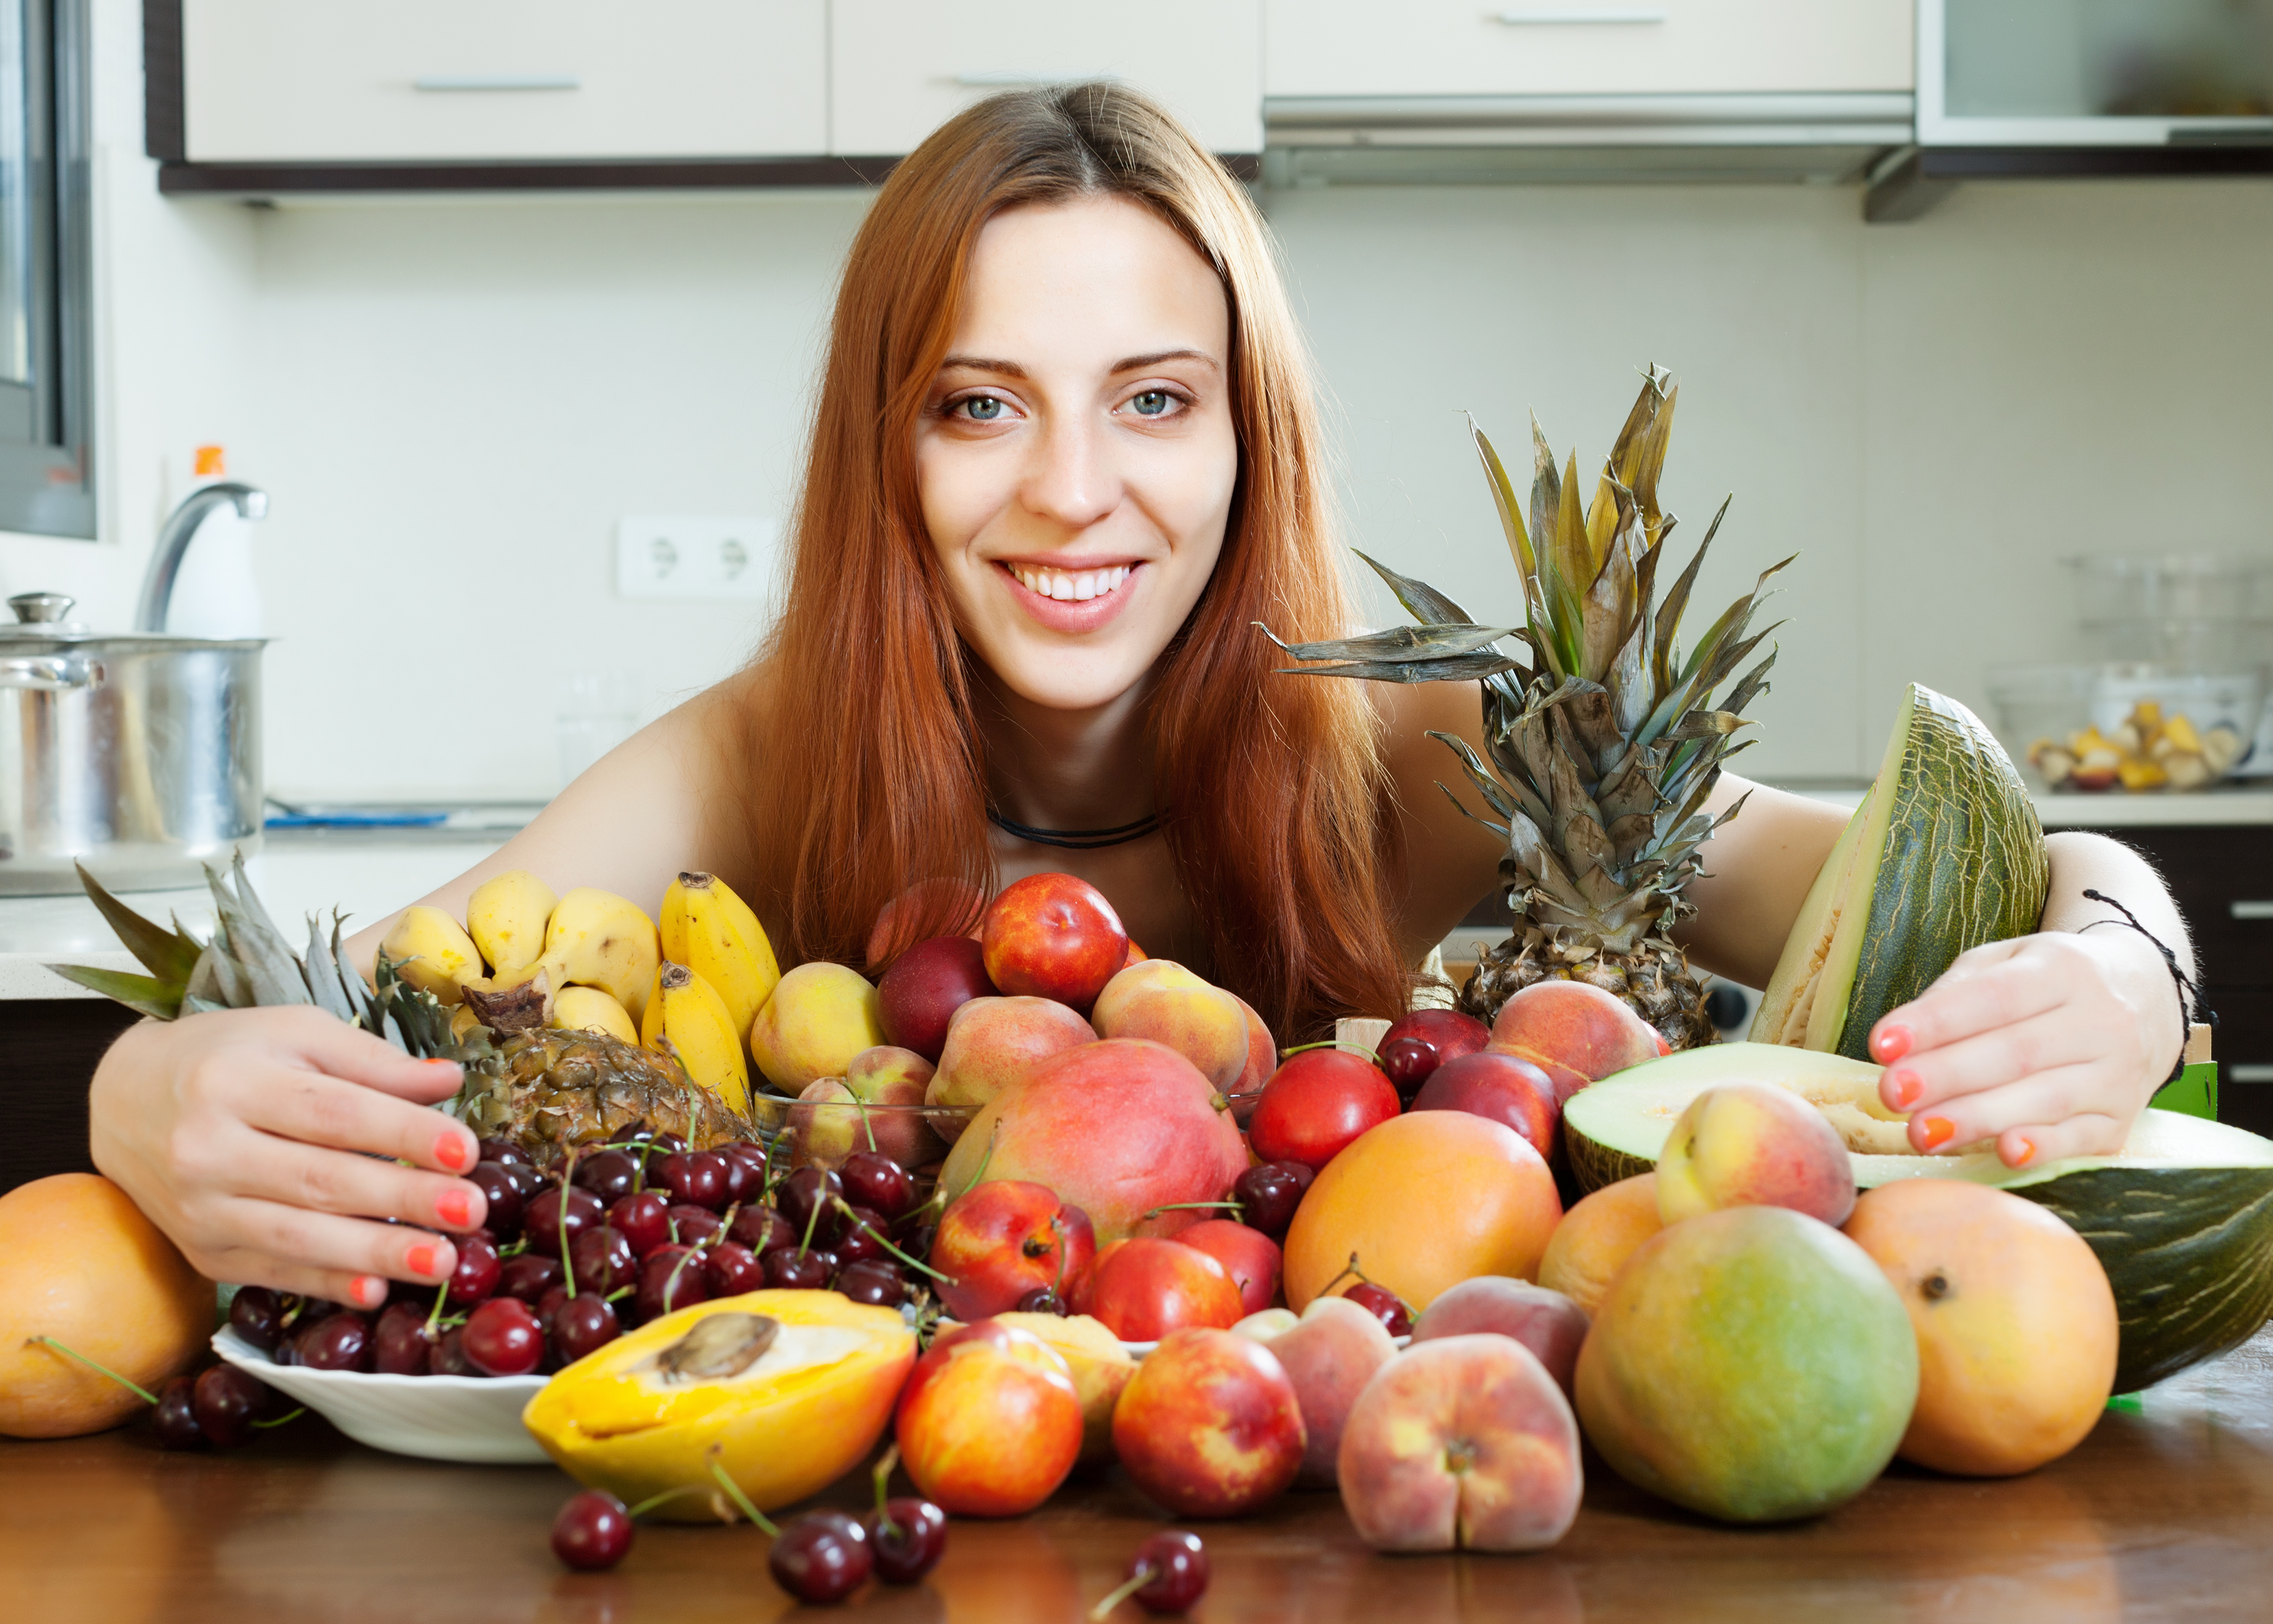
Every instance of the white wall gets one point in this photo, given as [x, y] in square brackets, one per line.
[452, 402]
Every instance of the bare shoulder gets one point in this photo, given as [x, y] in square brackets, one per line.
[1758, 868]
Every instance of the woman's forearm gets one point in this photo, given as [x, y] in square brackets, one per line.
[2084, 862]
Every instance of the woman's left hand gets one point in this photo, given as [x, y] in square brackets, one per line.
[2048, 1044]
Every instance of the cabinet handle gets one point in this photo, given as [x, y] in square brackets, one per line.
[1010, 79]
[496, 81]
[1559, 17]
[2250, 911]
[2249, 1074]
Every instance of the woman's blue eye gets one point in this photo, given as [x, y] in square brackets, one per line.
[1152, 402]
[983, 408]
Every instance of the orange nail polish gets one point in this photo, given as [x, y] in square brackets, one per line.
[419, 1259]
[450, 1150]
[1891, 1044]
[456, 1209]
[1938, 1131]
[1906, 1087]
[2028, 1153]
[370, 1292]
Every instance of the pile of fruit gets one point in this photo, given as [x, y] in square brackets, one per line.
[2148, 750]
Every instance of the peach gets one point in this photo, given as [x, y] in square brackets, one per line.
[990, 1422]
[994, 1042]
[1329, 1354]
[1425, 1201]
[1162, 1001]
[1747, 1144]
[932, 906]
[1269, 1324]
[1052, 935]
[1596, 1237]
[1124, 1129]
[1143, 1289]
[1577, 1033]
[1250, 1257]
[1003, 1239]
[820, 1016]
[1209, 1424]
[1461, 1444]
[1100, 1365]
[1547, 1322]
[832, 1118]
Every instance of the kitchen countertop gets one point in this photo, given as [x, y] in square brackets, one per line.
[2159, 1514]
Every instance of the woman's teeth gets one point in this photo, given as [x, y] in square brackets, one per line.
[1071, 588]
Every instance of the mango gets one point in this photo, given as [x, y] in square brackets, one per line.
[1597, 1238]
[807, 1411]
[821, 1015]
[1752, 1364]
[1160, 999]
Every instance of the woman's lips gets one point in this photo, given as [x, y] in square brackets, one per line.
[1074, 615]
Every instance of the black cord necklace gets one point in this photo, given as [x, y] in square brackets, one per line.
[1078, 840]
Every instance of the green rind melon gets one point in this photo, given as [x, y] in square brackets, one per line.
[2182, 1221]
[1944, 854]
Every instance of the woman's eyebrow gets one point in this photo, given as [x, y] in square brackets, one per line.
[1137, 363]
[979, 363]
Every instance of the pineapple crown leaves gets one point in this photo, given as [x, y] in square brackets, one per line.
[1604, 745]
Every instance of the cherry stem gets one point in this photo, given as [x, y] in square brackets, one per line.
[1334, 1043]
[741, 1500]
[434, 1320]
[146, 1395]
[883, 1476]
[985, 1161]
[812, 1218]
[284, 1419]
[1363, 1278]
[1136, 1581]
[868, 1229]
[1178, 1206]
[653, 1500]
[567, 1183]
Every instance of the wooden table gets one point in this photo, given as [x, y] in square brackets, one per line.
[2165, 1513]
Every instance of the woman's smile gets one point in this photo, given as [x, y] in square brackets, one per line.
[1071, 600]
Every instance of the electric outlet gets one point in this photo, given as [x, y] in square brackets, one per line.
[696, 556]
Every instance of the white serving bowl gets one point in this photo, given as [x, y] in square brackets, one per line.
[472, 1419]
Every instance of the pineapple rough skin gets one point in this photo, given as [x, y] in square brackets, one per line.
[549, 1090]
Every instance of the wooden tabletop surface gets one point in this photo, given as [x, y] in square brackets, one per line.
[2165, 1513]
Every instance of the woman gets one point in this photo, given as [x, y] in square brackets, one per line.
[1064, 456]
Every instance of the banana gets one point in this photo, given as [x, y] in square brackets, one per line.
[431, 951]
[686, 1017]
[589, 1009]
[596, 938]
[712, 932]
[506, 916]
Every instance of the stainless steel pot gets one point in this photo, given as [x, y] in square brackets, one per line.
[138, 754]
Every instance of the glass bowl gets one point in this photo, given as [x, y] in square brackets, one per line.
[821, 1133]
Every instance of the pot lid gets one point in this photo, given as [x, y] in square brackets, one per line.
[44, 616]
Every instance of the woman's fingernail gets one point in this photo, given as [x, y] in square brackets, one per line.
[1905, 1087]
[420, 1259]
[1890, 1044]
[456, 1209]
[2028, 1153]
[451, 1151]
[368, 1291]
[1938, 1132]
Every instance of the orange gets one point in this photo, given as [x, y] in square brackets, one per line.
[1596, 1237]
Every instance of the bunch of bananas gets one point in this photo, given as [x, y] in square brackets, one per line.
[689, 989]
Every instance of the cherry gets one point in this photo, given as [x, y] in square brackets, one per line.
[603, 1260]
[732, 1270]
[666, 1144]
[1041, 1299]
[527, 1181]
[906, 1538]
[256, 1314]
[527, 1276]
[227, 1401]
[821, 1557]
[643, 1219]
[693, 1226]
[176, 1419]
[878, 1283]
[804, 1191]
[1383, 1304]
[1177, 1564]
[762, 1230]
[789, 1269]
[448, 1358]
[338, 1341]
[608, 1174]
[593, 1531]
[503, 1338]
[1407, 1062]
[543, 1219]
[502, 1151]
[505, 1208]
[859, 1242]
[1268, 1194]
[476, 1278]
[698, 1178]
[874, 1181]
[582, 1324]
[669, 1279]
[400, 1344]
[745, 1170]
[915, 1239]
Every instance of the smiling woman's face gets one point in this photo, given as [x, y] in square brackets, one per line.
[1076, 457]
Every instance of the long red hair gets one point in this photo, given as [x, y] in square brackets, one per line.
[863, 773]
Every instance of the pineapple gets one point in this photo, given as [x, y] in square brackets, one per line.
[546, 1089]
[1603, 743]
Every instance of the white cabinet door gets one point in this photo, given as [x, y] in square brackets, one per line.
[898, 68]
[1482, 48]
[366, 81]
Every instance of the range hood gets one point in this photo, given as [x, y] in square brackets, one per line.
[1438, 140]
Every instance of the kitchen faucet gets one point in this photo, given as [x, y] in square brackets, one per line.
[174, 541]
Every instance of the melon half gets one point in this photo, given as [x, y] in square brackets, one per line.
[2182, 1221]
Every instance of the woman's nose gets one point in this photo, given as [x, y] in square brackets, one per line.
[1071, 479]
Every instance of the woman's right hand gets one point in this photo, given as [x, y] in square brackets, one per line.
[267, 1141]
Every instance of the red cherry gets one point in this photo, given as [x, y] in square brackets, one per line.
[876, 1282]
[1407, 1062]
[400, 1344]
[906, 1538]
[554, 1211]
[527, 1276]
[733, 1269]
[670, 1279]
[176, 1419]
[762, 1230]
[874, 1181]
[1268, 1193]
[1178, 1565]
[478, 1270]
[593, 1531]
[643, 1219]
[502, 1338]
[227, 1401]
[821, 1557]
[788, 1270]
[505, 1203]
[582, 1324]
[603, 1260]
[1383, 1304]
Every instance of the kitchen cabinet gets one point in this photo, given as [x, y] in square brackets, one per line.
[444, 80]
[899, 67]
[1461, 48]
